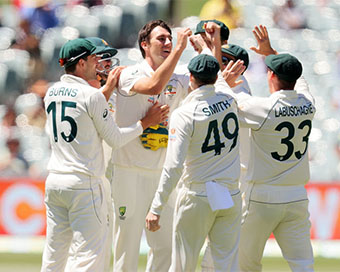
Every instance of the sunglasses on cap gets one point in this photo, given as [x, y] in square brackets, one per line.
[225, 60]
[105, 65]
[104, 55]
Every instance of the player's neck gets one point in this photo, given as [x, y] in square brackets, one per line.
[154, 63]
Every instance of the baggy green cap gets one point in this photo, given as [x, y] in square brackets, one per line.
[224, 29]
[204, 66]
[285, 66]
[236, 51]
[102, 46]
[73, 50]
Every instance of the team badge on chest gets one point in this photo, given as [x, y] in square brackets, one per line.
[170, 91]
[122, 211]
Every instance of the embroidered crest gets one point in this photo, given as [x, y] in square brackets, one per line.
[122, 211]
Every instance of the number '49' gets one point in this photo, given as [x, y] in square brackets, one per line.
[213, 129]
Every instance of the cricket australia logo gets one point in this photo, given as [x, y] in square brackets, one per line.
[170, 90]
[122, 211]
[111, 107]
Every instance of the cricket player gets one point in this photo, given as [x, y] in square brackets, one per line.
[276, 199]
[106, 63]
[230, 56]
[77, 121]
[231, 53]
[203, 152]
[138, 166]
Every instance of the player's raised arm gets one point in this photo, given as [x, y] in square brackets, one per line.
[163, 68]
[213, 34]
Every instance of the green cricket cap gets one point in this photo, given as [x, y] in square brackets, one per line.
[204, 66]
[224, 29]
[102, 46]
[285, 66]
[73, 50]
[237, 52]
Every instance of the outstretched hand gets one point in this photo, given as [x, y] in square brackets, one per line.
[232, 72]
[213, 32]
[182, 38]
[197, 42]
[112, 81]
[263, 42]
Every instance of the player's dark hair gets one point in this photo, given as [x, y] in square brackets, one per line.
[284, 84]
[72, 68]
[204, 81]
[144, 33]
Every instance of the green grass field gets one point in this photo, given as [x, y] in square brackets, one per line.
[32, 262]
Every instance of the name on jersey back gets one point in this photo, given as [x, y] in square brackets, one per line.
[62, 91]
[216, 107]
[294, 110]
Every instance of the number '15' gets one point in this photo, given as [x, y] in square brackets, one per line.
[64, 118]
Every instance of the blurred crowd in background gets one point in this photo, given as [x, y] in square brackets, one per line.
[32, 33]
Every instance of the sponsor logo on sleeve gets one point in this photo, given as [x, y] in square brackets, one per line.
[172, 135]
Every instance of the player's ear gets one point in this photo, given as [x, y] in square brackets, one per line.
[271, 74]
[144, 44]
[81, 62]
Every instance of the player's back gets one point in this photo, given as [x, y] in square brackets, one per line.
[76, 146]
[279, 146]
[213, 153]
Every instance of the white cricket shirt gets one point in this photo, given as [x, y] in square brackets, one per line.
[280, 126]
[77, 120]
[131, 106]
[203, 144]
[244, 133]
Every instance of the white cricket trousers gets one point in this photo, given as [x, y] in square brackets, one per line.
[133, 190]
[194, 221]
[289, 222]
[77, 216]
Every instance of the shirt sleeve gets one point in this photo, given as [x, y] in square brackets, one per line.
[302, 87]
[252, 111]
[243, 87]
[128, 79]
[106, 126]
[179, 139]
